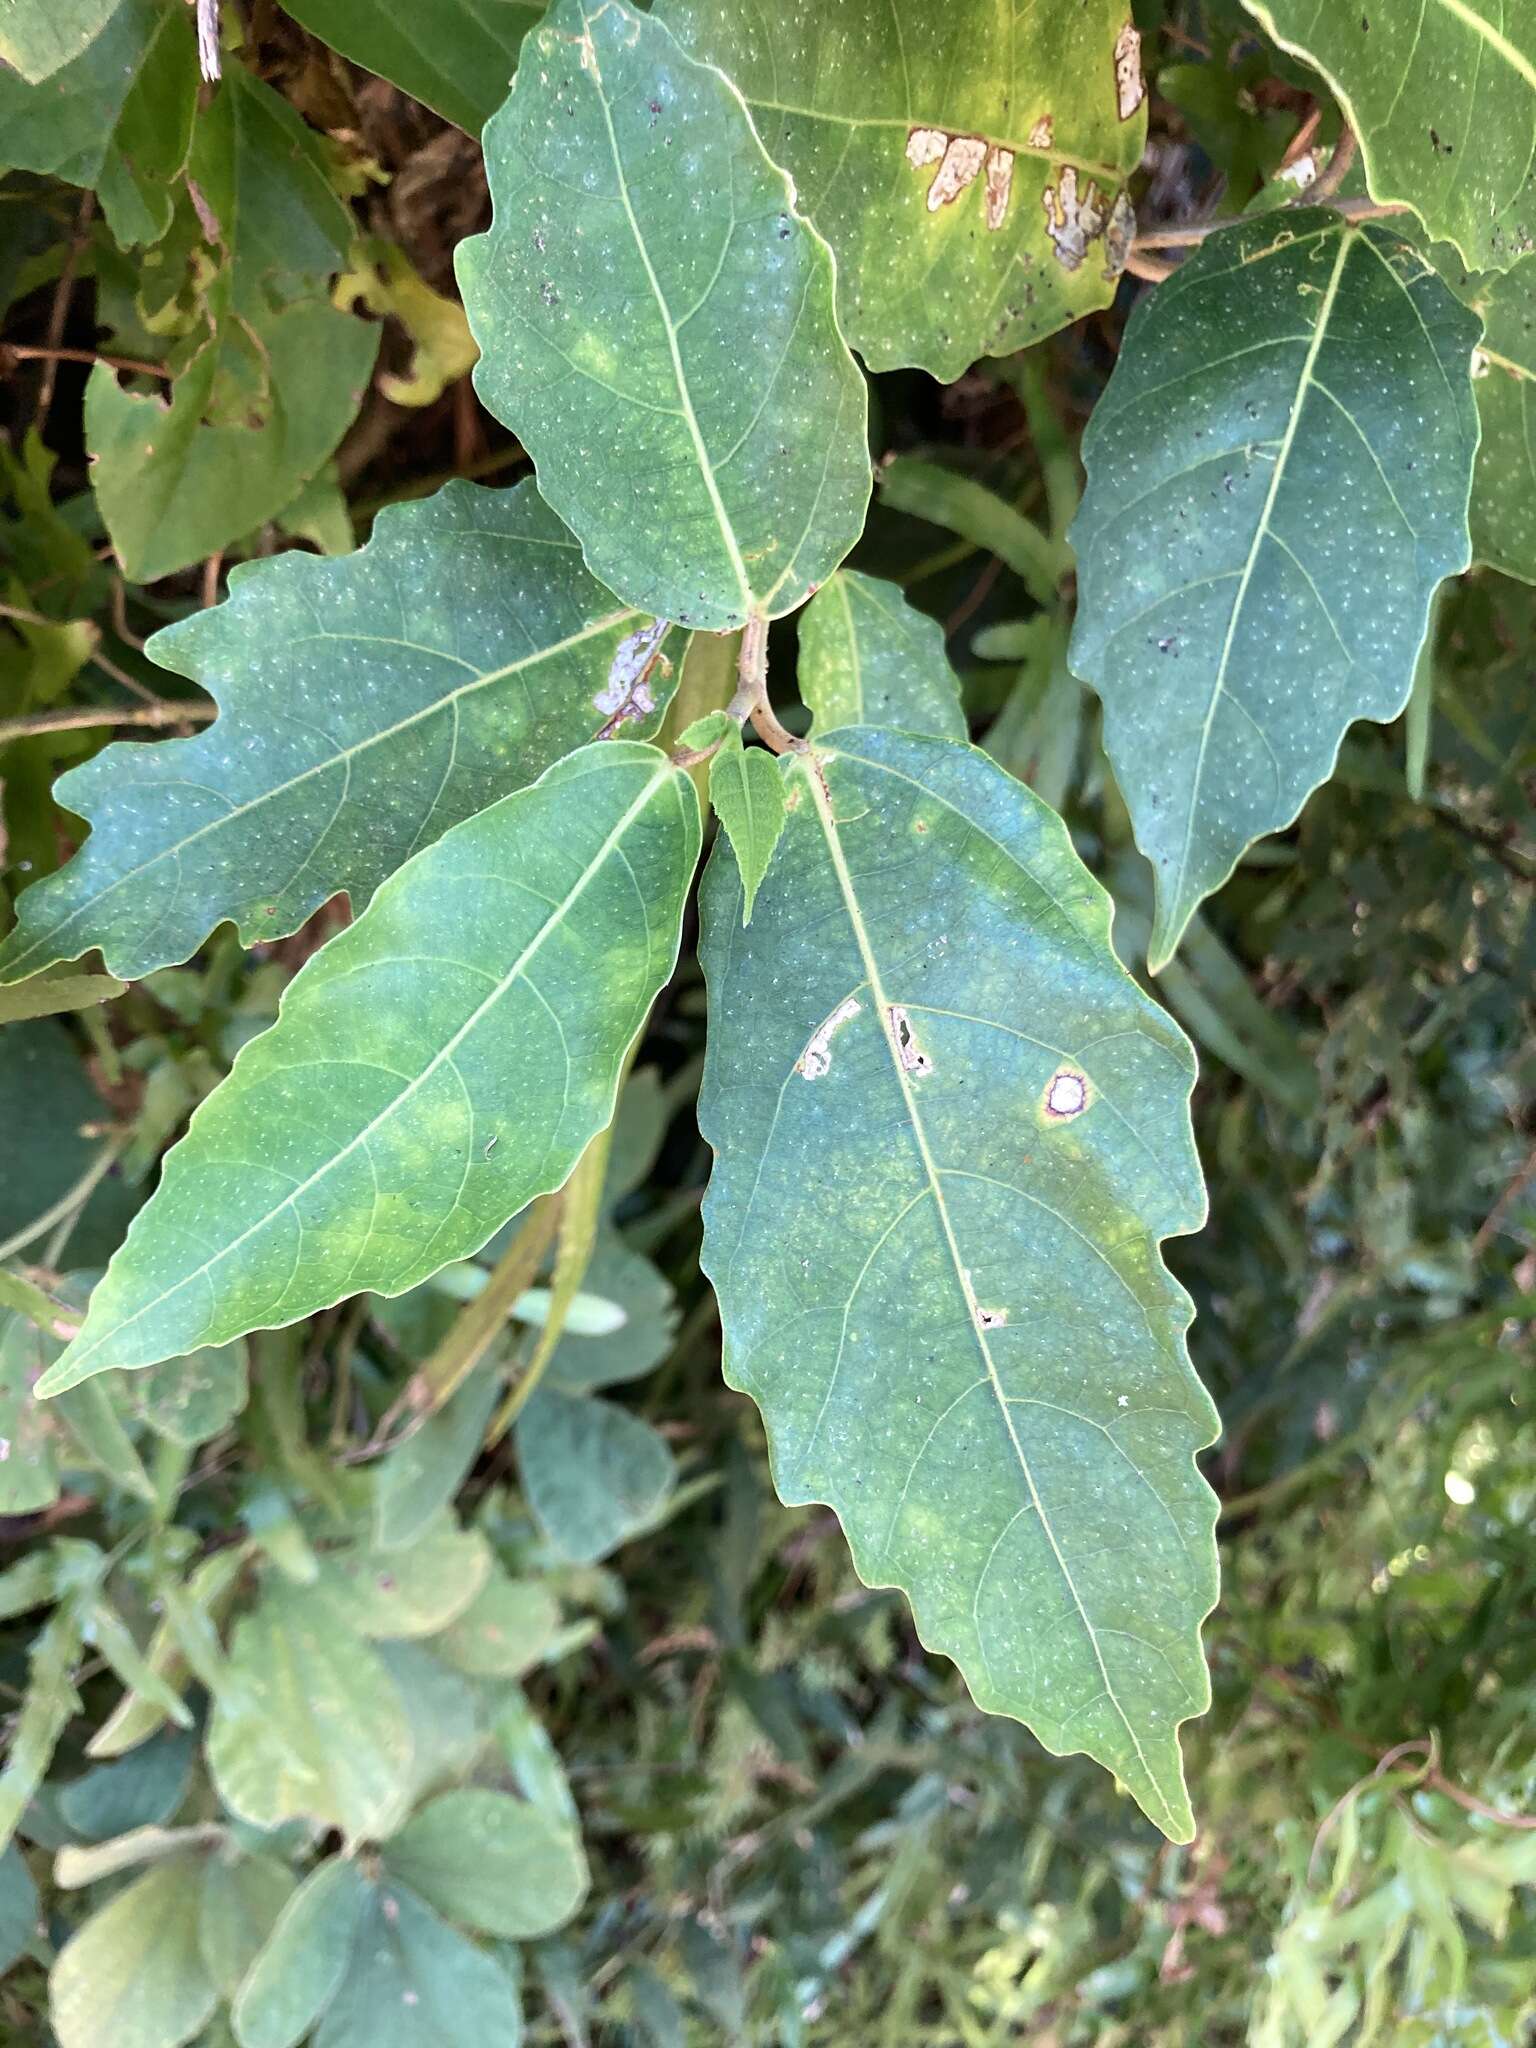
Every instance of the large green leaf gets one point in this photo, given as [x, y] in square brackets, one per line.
[475, 651]
[491, 1862]
[1278, 477]
[307, 1723]
[967, 162]
[118, 118]
[415, 1982]
[867, 657]
[306, 1956]
[455, 55]
[134, 1973]
[950, 1133]
[658, 328]
[39, 37]
[436, 1066]
[1442, 94]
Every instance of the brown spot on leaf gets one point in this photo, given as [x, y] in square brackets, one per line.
[1043, 133]
[999, 184]
[961, 160]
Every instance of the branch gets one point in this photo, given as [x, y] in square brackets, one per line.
[159, 713]
[1190, 237]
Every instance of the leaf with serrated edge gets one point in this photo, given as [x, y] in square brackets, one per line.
[437, 1065]
[677, 318]
[963, 160]
[1442, 94]
[867, 657]
[367, 704]
[950, 1133]
[1277, 480]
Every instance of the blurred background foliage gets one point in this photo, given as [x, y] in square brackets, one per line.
[797, 1829]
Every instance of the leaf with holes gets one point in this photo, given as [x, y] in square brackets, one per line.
[1442, 94]
[968, 163]
[867, 657]
[1278, 477]
[368, 704]
[950, 1134]
[666, 348]
[432, 1069]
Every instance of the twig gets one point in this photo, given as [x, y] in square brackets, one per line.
[209, 61]
[26, 352]
[70, 1202]
[1323, 187]
[79, 721]
[59, 311]
[751, 698]
[211, 570]
[1147, 267]
[1187, 238]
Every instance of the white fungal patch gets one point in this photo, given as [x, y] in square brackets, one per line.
[1072, 220]
[999, 185]
[1130, 86]
[816, 1060]
[1066, 1094]
[911, 1055]
[627, 694]
[1043, 134]
[926, 146]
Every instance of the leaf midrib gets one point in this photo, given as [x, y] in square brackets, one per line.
[658, 777]
[1304, 383]
[821, 796]
[344, 756]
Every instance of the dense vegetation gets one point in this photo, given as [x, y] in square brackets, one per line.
[413, 548]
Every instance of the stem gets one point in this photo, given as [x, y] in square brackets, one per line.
[751, 698]
[1345, 150]
[1187, 238]
[72, 1200]
[73, 721]
[26, 352]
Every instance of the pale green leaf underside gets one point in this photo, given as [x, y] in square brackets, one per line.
[133, 1973]
[1442, 94]
[867, 657]
[950, 1134]
[658, 328]
[436, 1066]
[1278, 478]
[367, 704]
[1034, 96]
[456, 55]
[1504, 381]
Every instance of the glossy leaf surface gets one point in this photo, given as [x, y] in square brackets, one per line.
[950, 1134]
[1232, 629]
[436, 1066]
[664, 346]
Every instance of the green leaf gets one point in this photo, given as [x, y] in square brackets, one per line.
[437, 1065]
[456, 56]
[49, 1703]
[939, 1102]
[748, 798]
[1442, 94]
[243, 1897]
[416, 1983]
[634, 1284]
[491, 1862]
[505, 666]
[388, 1594]
[143, 1790]
[39, 37]
[306, 1956]
[930, 491]
[867, 657]
[421, 1475]
[47, 1104]
[19, 1918]
[685, 327]
[593, 1473]
[133, 1974]
[1277, 480]
[308, 1725]
[507, 1629]
[1504, 382]
[53, 995]
[29, 1471]
[967, 162]
[118, 117]
[187, 1400]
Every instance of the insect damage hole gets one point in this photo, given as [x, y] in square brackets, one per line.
[1130, 86]
[911, 1055]
[816, 1060]
[1066, 1094]
[990, 1318]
